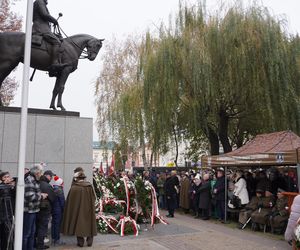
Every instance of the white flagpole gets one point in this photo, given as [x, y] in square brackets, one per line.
[23, 131]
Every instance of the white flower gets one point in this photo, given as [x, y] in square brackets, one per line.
[118, 184]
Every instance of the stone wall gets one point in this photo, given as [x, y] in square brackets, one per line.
[62, 140]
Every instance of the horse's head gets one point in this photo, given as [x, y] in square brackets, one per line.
[93, 47]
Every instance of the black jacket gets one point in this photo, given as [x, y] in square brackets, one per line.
[220, 186]
[48, 189]
[170, 184]
[205, 195]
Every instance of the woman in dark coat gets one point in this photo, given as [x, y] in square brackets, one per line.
[219, 191]
[205, 197]
[79, 215]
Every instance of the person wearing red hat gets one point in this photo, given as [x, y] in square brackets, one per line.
[57, 210]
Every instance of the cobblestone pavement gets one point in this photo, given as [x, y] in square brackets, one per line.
[185, 232]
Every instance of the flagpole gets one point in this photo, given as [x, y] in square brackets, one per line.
[23, 130]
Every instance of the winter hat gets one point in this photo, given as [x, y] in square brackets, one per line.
[79, 175]
[57, 181]
[49, 172]
[259, 190]
[280, 190]
[221, 169]
[78, 169]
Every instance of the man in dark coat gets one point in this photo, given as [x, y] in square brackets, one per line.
[262, 182]
[250, 184]
[290, 185]
[79, 217]
[279, 214]
[171, 187]
[7, 202]
[43, 215]
[205, 197]
[219, 191]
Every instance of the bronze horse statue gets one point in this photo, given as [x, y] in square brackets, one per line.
[12, 52]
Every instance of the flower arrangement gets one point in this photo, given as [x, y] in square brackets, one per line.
[102, 226]
[122, 203]
[144, 198]
[106, 224]
[111, 205]
[127, 226]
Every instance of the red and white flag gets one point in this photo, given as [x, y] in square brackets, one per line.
[101, 168]
[112, 165]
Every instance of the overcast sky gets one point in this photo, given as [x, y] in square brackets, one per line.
[106, 19]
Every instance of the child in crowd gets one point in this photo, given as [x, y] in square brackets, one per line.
[57, 210]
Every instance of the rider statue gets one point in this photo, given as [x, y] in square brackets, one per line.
[41, 27]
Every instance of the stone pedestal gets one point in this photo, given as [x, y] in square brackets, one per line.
[61, 139]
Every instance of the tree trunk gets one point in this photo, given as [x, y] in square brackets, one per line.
[151, 159]
[176, 145]
[213, 141]
[240, 139]
[223, 131]
[142, 143]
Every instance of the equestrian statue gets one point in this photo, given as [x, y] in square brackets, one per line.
[49, 52]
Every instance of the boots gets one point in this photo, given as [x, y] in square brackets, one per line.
[80, 241]
[198, 214]
[89, 241]
[56, 66]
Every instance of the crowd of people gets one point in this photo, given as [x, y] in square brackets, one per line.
[44, 200]
[257, 196]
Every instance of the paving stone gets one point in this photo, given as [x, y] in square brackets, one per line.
[185, 233]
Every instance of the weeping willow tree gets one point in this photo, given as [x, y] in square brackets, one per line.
[119, 97]
[213, 81]
[160, 64]
[225, 77]
[119, 72]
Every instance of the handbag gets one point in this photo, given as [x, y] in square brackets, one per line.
[236, 201]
